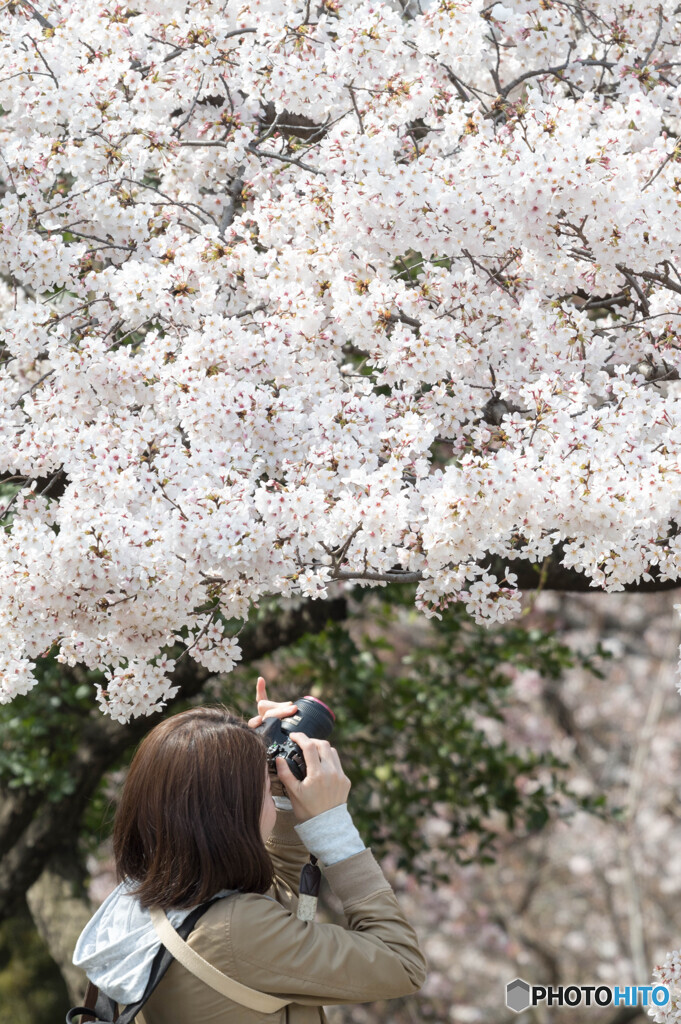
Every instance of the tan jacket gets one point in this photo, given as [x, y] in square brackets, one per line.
[259, 941]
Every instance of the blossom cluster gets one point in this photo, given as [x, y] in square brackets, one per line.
[297, 294]
[669, 973]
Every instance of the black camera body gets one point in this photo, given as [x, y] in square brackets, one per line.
[313, 718]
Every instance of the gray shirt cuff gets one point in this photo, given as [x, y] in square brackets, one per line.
[282, 803]
[331, 836]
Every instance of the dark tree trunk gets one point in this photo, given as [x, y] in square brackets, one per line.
[60, 910]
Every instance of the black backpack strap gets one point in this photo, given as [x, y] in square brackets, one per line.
[106, 1008]
[96, 1006]
[100, 1010]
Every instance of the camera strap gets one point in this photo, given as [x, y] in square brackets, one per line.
[195, 964]
[310, 880]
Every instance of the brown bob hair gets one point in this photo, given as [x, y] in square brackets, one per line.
[188, 822]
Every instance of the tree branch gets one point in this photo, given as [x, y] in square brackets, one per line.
[229, 211]
[37, 15]
[554, 576]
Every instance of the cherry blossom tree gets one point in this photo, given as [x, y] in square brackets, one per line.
[299, 293]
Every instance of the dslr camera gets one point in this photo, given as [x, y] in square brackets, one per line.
[313, 717]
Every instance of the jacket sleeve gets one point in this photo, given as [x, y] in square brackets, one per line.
[288, 853]
[377, 957]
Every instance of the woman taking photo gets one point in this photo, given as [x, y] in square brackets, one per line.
[200, 817]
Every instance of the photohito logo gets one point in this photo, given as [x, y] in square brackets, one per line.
[520, 994]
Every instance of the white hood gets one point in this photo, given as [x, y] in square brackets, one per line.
[117, 946]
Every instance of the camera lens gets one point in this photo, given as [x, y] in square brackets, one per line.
[313, 718]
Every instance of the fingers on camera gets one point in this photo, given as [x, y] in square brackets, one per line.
[323, 749]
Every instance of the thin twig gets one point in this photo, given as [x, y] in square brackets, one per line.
[534, 74]
[189, 207]
[285, 159]
[660, 23]
[664, 279]
[37, 15]
[354, 103]
[51, 72]
[32, 388]
[457, 83]
[249, 312]
[176, 129]
[103, 241]
[670, 156]
[174, 504]
[629, 276]
[494, 72]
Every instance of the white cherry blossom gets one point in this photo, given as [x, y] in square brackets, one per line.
[296, 295]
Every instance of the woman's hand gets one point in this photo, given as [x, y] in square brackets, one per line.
[325, 785]
[269, 708]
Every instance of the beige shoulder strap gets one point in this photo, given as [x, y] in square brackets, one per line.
[195, 964]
